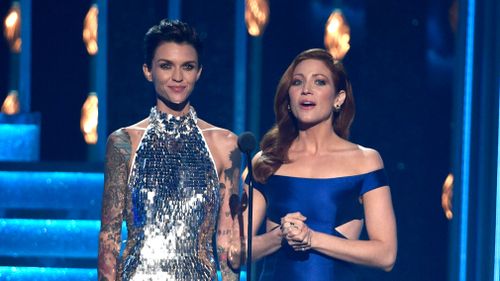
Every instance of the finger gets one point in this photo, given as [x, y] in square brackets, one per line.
[303, 236]
[297, 237]
[295, 226]
[296, 215]
[298, 228]
[292, 227]
[285, 221]
[297, 243]
[286, 225]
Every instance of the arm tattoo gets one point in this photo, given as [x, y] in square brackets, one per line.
[226, 271]
[113, 201]
[232, 173]
[226, 232]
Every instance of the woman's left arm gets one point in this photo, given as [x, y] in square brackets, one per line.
[379, 251]
[381, 248]
[228, 227]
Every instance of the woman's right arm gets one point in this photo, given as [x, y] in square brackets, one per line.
[113, 200]
[268, 242]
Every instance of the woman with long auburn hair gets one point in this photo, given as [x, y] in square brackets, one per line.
[315, 189]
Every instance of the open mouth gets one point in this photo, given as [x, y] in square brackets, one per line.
[307, 104]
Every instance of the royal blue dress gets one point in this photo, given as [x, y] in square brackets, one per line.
[327, 203]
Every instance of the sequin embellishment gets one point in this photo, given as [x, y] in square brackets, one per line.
[172, 203]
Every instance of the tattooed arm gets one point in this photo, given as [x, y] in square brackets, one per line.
[228, 231]
[115, 180]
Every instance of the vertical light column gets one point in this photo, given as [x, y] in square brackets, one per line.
[174, 9]
[496, 270]
[240, 65]
[101, 79]
[474, 251]
[256, 85]
[466, 138]
[25, 58]
[94, 110]
[256, 17]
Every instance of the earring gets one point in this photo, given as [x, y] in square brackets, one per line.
[337, 108]
[289, 108]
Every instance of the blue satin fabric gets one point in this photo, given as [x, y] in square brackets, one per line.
[327, 203]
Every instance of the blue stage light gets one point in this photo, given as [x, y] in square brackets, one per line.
[47, 274]
[52, 190]
[496, 270]
[466, 138]
[49, 238]
[20, 142]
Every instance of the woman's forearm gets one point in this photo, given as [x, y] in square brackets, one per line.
[266, 244]
[366, 252]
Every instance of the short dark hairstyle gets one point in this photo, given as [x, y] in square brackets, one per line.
[170, 31]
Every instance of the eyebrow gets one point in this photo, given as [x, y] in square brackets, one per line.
[171, 62]
[314, 75]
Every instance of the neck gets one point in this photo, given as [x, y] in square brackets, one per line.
[317, 138]
[175, 109]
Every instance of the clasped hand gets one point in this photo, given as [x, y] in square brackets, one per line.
[296, 232]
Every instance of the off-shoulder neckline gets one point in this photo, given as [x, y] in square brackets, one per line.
[330, 178]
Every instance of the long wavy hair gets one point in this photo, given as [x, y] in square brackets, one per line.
[277, 140]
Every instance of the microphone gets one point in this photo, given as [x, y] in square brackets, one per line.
[247, 143]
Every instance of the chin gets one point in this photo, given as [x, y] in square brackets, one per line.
[177, 102]
[308, 123]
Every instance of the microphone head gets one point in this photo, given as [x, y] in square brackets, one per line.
[247, 142]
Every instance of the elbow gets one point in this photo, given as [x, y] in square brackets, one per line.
[235, 257]
[388, 261]
[388, 268]
[230, 254]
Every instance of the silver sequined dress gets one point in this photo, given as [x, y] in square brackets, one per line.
[172, 203]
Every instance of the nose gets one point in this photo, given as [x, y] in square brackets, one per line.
[177, 75]
[305, 89]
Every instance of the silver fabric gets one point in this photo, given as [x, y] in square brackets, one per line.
[172, 204]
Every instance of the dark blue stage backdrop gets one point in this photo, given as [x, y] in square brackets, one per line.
[400, 64]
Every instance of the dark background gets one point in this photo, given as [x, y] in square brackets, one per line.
[400, 64]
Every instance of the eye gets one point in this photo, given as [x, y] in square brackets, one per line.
[320, 82]
[189, 66]
[165, 65]
[296, 82]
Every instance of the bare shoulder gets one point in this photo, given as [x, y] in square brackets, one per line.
[223, 145]
[118, 137]
[256, 157]
[132, 134]
[118, 148]
[141, 125]
[136, 130]
[223, 138]
[369, 157]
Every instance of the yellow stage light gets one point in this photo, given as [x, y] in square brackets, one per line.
[88, 120]
[337, 35]
[447, 196]
[90, 30]
[11, 103]
[256, 16]
[12, 28]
